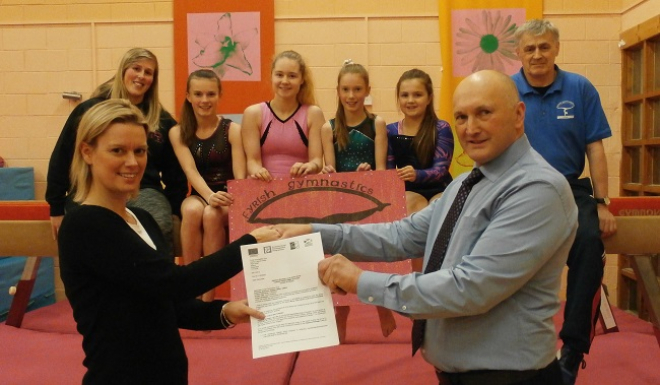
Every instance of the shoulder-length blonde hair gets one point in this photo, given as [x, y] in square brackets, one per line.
[115, 88]
[93, 124]
[306, 93]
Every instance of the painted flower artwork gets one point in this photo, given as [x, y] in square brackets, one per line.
[483, 39]
[218, 47]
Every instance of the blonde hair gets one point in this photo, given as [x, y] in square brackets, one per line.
[115, 88]
[93, 124]
[341, 129]
[306, 93]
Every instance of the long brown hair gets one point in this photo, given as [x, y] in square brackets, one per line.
[341, 129]
[424, 141]
[306, 92]
[188, 122]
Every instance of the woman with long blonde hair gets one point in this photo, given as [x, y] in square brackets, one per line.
[282, 137]
[164, 185]
[129, 298]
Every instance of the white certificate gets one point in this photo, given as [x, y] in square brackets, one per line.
[282, 281]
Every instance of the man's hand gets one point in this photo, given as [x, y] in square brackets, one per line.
[339, 274]
[606, 220]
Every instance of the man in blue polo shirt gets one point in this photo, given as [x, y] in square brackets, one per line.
[564, 121]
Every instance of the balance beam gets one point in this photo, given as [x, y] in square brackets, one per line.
[637, 239]
[33, 239]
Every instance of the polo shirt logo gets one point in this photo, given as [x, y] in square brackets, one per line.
[566, 106]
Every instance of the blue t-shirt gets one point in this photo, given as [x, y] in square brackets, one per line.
[561, 123]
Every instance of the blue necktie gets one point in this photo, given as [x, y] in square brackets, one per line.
[440, 246]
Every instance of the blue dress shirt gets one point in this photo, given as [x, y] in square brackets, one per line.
[491, 304]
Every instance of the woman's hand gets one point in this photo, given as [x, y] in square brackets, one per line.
[55, 223]
[328, 169]
[238, 312]
[262, 174]
[407, 174]
[302, 169]
[364, 167]
[266, 234]
[220, 198]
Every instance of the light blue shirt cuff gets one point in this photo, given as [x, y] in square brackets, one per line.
[371, 287]
[328, 235]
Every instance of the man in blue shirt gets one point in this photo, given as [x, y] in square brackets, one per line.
[564, 122]
[489, 306]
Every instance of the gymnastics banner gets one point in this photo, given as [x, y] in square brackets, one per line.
[477, 35]
[347, 197]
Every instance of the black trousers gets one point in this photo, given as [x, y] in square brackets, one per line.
[550, 375]
[585, 272]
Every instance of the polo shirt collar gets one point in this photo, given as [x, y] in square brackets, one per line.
[554, 87]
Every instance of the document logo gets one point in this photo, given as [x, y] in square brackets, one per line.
[294, 245]
[267, 249]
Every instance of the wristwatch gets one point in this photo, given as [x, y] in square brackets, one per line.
[603, 201]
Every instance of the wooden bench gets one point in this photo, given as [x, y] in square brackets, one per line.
[25, 238]
[637, 238]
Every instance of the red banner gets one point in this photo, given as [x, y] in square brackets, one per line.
[351, 197]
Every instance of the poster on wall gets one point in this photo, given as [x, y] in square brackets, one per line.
[477, 35]
[234, 39]
[347, 197]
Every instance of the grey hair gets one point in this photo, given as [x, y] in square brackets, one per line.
[536, 27]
